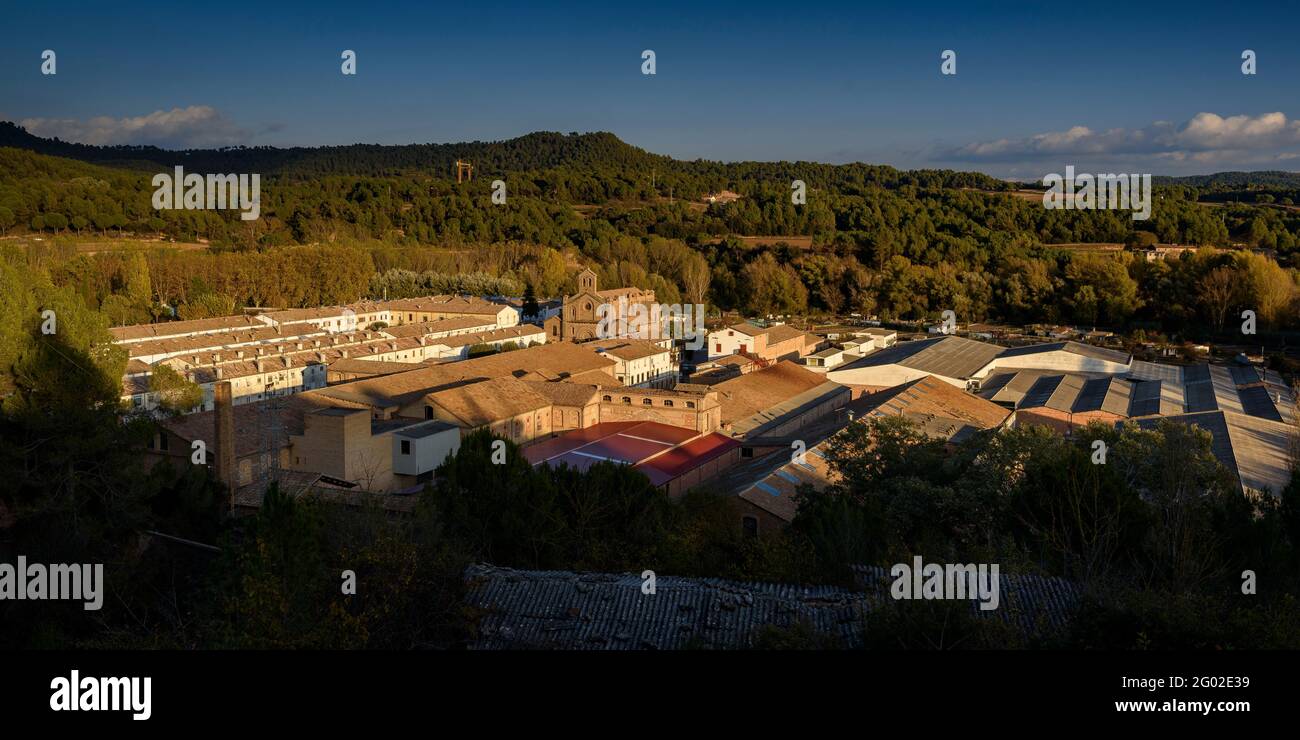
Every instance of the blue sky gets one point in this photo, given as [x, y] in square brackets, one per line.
[1156, 88]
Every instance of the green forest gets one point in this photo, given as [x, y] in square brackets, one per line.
[381, 220]
[1158, 537]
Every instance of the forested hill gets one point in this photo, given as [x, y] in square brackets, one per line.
[1236, 180]
[536, 151]
[597, 155]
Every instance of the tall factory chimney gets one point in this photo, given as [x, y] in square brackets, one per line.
[224, 429]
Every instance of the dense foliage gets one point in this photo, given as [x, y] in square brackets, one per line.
[1157, 536]
[903, 245]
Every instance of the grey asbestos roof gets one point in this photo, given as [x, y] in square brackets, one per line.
[426, 429]
[1041, 392]
[758, 423]
[1076, 348]
[1079, 394]
[1255, 450]
[1256, 401]
[1213, 422]
[605, 611]
[1010, 387]
[1146, 399]
[941, 427]
[1034, 605]
[1143, 370]
[949, 357]
[521, 609]
[1147, 389]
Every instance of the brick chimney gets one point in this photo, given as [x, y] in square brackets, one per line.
[224, 434]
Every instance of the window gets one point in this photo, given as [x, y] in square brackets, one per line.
[646, 402]
[746, 451]
[428, 412]
[626, 399]
[668, 403]
[162, 442]
[606, 398]
[690, 404]
[749, 525]
[719, 347]
[406, 447]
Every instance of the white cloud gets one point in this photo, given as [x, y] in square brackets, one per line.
[198, 126]
[1207, 137]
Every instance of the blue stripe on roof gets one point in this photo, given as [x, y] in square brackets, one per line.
[788, 476]
[765, 487]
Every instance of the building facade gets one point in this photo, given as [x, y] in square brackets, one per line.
[580, 316]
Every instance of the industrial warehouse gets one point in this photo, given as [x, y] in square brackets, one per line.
[341, 399]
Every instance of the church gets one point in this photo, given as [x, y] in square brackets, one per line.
[580, 316]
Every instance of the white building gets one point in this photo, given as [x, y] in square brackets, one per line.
[418, 450]
[820, 362]
[646, 363]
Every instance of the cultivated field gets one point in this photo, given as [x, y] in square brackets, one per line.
[97, 244]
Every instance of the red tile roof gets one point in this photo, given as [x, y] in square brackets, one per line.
[681, 460]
